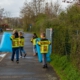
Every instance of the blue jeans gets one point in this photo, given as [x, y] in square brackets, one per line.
[34, 49]
[44, 59]
[21, 49]
[15, 51]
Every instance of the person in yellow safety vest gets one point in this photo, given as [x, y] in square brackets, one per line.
[44, 47]
[33, 40]
[21, 44]
[15, 46]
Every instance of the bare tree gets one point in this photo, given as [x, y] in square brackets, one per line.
[40, 5]
[37, 6]
[47, 8]
[27, 14]
[32, 9]
[1, 14]
[27, 10]
[57, 8]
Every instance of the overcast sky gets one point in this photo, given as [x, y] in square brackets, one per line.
[14, 6]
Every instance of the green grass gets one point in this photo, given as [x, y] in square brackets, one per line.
[64, 68]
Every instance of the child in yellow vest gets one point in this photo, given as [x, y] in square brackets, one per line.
[21, 44]
[15, 46]
[44, 47]
[33, 40]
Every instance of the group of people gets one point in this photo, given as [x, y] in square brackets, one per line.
[17, 39]
[44, 47]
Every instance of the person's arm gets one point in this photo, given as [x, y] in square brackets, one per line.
[39, 43]
[32, 40]
[11, 37]
[49, 42]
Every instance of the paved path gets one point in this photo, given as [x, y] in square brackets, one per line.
[28, 68]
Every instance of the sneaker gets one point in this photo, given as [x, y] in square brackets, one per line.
[17, 62]
[36, 54]
[25, 55]
[44, 66]
[12, 60]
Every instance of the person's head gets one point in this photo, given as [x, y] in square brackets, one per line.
[34, 33]
[43, 35]
[14, 31]
[20, 34]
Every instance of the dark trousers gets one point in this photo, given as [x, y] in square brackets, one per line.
[15, 51]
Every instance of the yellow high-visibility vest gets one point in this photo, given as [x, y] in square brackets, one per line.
[15, 42]
[44, 46]
[33, 41]
[21, 42]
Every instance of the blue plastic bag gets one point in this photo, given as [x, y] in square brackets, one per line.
[38, 50]
[6, 44]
